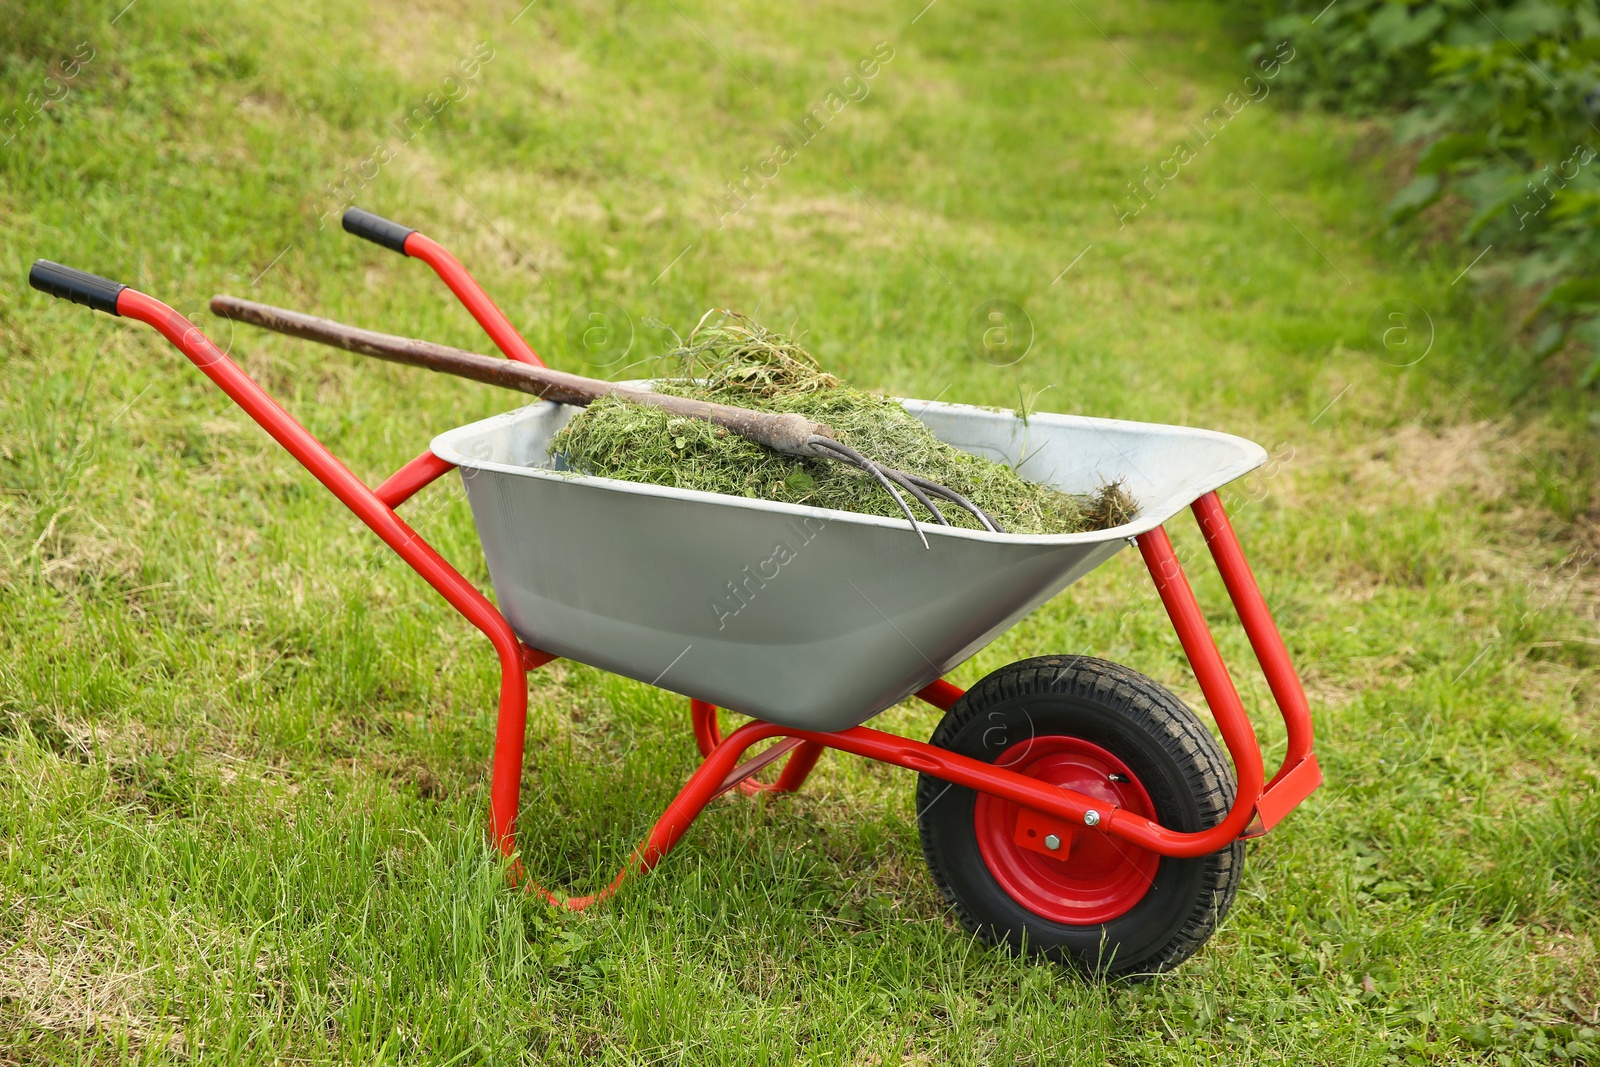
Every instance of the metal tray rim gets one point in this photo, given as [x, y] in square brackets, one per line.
[1253, 456]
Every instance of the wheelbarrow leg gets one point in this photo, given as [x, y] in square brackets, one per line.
[799, 767]
[510, 739]
[803, 759]
[708, 735]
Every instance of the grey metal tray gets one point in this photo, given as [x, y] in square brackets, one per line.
[801, 616]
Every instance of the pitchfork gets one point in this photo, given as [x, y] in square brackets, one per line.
[789, 433]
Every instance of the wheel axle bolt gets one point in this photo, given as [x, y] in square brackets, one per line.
[1052, 842]
[1091, 818]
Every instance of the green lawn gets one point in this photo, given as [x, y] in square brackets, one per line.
[245, 753]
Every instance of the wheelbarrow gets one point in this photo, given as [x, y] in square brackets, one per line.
[1068, 806]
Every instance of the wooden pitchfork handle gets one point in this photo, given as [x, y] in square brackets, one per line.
[789, 433]
[792, 434]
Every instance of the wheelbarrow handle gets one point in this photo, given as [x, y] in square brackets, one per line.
[409, 242]
[377, 229]
[78, 286]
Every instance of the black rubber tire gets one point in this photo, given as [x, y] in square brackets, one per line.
[1172, 754]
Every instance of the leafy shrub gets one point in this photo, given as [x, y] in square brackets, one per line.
[1504, 100]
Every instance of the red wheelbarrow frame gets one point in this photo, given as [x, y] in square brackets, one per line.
[1259, 803]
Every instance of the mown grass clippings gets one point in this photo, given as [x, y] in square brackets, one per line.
[731, 359]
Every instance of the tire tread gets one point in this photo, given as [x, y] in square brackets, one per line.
[1207, 772]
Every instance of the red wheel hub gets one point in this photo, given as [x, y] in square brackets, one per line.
[1099, 877]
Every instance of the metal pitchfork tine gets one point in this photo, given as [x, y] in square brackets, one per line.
[831, 449]
[918, 487]
[989, 522]
[788, 433]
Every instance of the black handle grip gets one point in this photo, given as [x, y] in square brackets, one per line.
[377, 229]
[78, 286]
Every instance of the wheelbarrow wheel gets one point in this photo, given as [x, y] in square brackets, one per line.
[1108, 907]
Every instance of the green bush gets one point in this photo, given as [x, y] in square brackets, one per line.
[1503, 99]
